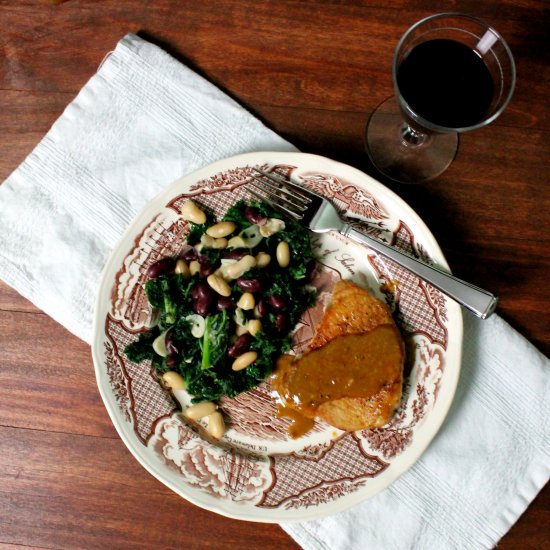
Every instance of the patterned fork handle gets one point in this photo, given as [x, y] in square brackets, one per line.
[477, 300]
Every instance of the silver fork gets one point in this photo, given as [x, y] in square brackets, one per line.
[320, 216]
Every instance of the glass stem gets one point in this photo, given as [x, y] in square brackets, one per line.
[411, 137]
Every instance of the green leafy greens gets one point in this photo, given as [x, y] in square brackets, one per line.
[215, 339]
[205, 361]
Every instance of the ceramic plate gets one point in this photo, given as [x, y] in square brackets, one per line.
[257, 473]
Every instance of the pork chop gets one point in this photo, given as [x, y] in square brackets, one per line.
[352, 375]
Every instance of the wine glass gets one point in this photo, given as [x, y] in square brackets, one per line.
[452, 73]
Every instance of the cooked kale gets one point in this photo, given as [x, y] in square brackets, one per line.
[155, 292]
[204, 361]
[215, 339]
[142, 349]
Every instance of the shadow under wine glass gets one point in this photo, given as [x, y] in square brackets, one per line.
[452, 73]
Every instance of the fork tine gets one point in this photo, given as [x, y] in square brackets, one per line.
[299, 202]
[279, 193]
[281, 201]
[274, 205]
[302, 193]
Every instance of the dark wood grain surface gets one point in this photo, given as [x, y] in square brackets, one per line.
[313, 71]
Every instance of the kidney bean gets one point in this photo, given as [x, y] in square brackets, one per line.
[253, 215]
[172, 361]
[170, 347]
[203, 298]
[235, 254]
[191, 254]
[250, 285]
[224, 302]
[276, 302]
[261, 307]
[240, 346]
[202, 305]
[280, 322]
[159, 268]
[201, 289]
[207, 269]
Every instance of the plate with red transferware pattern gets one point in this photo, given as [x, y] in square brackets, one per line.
[257, 472]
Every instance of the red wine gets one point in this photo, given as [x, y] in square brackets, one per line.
[446, 83]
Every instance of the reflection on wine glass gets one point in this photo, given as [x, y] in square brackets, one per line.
[452, 73]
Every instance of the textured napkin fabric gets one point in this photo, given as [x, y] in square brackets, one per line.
[144, 120]
[140, 123]
[484, 467]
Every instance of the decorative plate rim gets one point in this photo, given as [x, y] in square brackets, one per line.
[400, 464]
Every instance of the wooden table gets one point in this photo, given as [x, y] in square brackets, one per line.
[313, 71]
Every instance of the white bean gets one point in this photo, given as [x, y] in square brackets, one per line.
[216, 425]
[191, 212]
[262, 259]
[238, 269]
[211, 242]
[222, 270]
[222, 229]
[219, 285]
[241, 329]
[244, 360]
[200, 410]
[272, 226]
[236, 242]
[254, 326]
[182, 268]
[283, 254]
[246, 301]
[194, 267]
[173, 380]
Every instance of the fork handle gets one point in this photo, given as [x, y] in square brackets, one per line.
[480, 302]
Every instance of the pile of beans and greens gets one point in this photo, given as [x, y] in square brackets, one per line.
[226, 307]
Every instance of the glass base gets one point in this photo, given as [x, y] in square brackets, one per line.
[402, 155]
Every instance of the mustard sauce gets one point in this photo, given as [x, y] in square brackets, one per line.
[350, 366]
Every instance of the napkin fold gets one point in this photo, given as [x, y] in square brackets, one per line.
[486, 464]
[144, 120]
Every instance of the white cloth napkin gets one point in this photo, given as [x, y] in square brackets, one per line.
[487, 463]
[142, 121]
